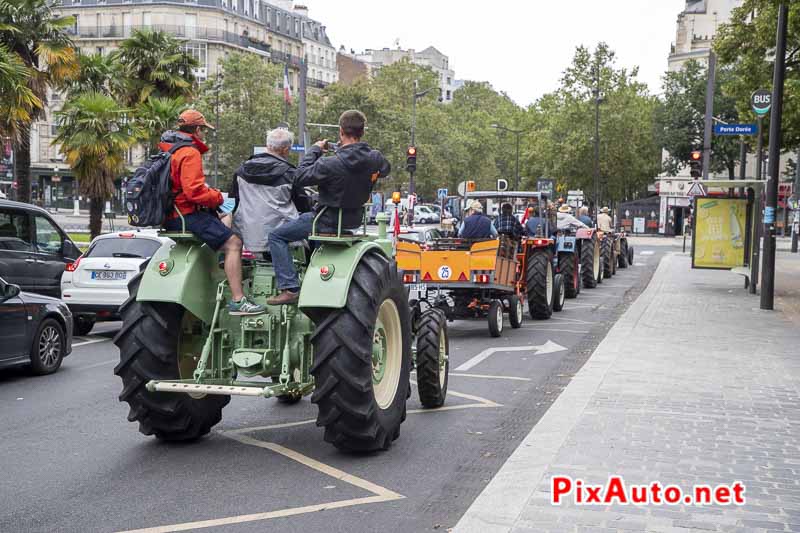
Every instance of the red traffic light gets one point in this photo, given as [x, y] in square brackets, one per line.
[412, 151]
[697, 155]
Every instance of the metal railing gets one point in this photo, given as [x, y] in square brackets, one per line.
[283, 57]
[182, 32]
[318, 84]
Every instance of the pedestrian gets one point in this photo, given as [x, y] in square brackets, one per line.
[266, 193]
[345, 183]
[197, 204]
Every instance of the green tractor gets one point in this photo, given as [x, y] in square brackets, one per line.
[348, 342]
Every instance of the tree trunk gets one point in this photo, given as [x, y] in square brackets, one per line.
[96, 216]
[22, 165]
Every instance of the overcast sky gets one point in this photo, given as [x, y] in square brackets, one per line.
[519, 46]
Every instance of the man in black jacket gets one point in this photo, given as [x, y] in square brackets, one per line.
[345, 181]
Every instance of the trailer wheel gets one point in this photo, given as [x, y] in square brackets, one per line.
[515, 311]
[590, 261]
[568, 264]
[495, 318]
[362, 360]
[608, 257]
[559, 294]
[539, 284]
[622, 260]
[433, 365]
[148, 349]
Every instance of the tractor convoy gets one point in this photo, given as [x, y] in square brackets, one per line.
[370, 311]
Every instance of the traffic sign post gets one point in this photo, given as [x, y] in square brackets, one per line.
[735, 129]
[441, 194]
[761, 102]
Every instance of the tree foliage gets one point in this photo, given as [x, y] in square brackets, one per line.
[247, 105]
[681, 119]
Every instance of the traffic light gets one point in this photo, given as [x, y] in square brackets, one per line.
[411, 159]
[696, 164]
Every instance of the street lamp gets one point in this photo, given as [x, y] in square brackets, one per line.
[417, 95]
[517, 133]
[217, 88]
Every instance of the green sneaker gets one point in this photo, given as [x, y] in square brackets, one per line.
[244, 307]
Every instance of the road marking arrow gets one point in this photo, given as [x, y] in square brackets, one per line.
[548, 347]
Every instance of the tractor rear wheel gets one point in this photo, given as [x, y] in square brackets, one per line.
[539, 284]
[362, 360]
[559, 294]
[148, 349]
[568, 265]
[622, 260]
[630, 255]
[608, 257]
[590, 261]
[433, 366]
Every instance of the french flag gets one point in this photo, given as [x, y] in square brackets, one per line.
[287, 89]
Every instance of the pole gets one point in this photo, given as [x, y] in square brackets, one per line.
[711, 84]
[760, 148]
[516, 180]
[768, 281]
[301, 105]
[742, 164]
[411, 184]
[596, 142]
[795, 193]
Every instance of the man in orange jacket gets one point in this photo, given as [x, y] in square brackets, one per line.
[197, 203]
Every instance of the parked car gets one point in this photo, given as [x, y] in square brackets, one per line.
[33, 249]
[419, 235]
[423, 214]
[96, 284]
[35, 330]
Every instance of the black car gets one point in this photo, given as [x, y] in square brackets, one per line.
[33, 249]
[35, 330]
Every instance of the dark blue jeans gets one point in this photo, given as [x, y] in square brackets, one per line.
[279, 241]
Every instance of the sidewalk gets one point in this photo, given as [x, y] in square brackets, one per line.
[693, 385]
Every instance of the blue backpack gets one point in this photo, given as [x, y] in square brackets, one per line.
[148, 193]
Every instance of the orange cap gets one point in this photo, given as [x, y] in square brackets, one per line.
[193, 117]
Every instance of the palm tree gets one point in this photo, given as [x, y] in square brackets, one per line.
[95, 135]
[17, 100]
[40, 39]
[155, 65]
[156, 115]
[98, 73]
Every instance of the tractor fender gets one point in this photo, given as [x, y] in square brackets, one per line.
[341, 261]
[584, 233]
[190, 278]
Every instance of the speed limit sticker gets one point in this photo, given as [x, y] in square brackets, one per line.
[445, 272]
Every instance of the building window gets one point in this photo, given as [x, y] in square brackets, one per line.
[75, 24]
[53, 130]
[296, 27]
[225, 4]
[448, 95]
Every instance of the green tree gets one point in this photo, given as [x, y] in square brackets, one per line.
[17, 100]
[95, 135]
[155, 64]
[156, 115]
[747, 45]
[681, 119]
[97, 73]
[563, 139]
[40, 40]
[249, 106]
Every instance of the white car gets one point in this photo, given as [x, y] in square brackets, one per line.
[423, 214]
[96, 284]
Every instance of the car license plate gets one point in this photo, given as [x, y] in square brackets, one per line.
[419, 287]
[109, 275]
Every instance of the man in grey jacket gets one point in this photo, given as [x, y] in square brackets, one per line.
[265, 192]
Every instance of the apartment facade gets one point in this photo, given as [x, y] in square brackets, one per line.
[429, 57]
[697, 26]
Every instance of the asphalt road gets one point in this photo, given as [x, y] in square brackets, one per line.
[70, 461]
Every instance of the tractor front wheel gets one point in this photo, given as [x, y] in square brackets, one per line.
[622, 260]
[539, 284]
[433, 365]
[559, 294]
[148, 349]
[495, 317]
[362, 360]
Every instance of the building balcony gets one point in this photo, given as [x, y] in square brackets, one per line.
[318, 84]
[181, 32]
[283, 57]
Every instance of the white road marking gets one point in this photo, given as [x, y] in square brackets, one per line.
[575, 320]
[485, 376]
[381, 494]
[548, 347]
[646, 252]
[90, 341]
